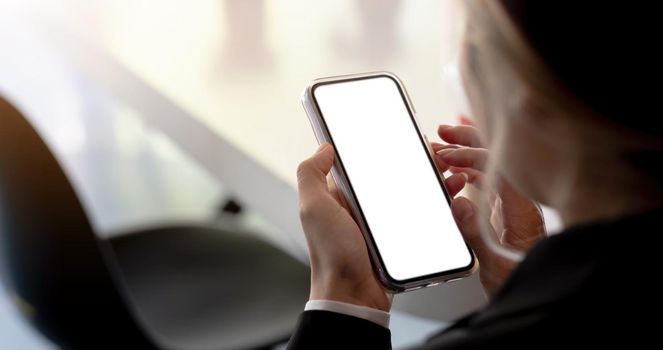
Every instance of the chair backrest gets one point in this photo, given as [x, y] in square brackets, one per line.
[50, 258]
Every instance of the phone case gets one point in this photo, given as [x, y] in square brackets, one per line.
[322, 135]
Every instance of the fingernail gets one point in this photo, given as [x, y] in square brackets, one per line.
[445, 153]
[444, 127]
[467, 178]
[322, 147]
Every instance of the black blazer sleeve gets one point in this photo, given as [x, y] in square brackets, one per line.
[563, 294]
[317, 329]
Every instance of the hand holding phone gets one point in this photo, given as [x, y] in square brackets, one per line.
[392, 190]
[340, 265]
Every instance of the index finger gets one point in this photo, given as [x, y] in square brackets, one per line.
[465, 135]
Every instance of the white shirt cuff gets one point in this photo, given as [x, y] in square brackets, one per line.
[367, 313]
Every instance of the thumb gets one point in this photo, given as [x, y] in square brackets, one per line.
[312, 172]
[466, 214]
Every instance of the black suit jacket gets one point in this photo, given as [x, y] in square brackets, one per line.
[591, 285]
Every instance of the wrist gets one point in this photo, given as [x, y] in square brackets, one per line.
[361, 293]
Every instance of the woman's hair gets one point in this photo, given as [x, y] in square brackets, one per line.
[584, 59]
[601, 51]
[590, 61]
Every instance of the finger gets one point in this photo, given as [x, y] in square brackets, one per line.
[441, 165]
[466, 215]
[465, 135]
[331, 187]
[465, 120]
[474, 177]
[336, 193]
[465, 157]
[515, 201]
[312, 172]
[455, 183]
[440, 146]
[518, 207]
[479, 180]
[522, 218]
[436, 146]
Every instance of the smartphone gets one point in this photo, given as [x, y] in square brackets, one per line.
[384, 168]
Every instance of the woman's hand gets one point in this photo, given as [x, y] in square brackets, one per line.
[340, 265]
[516, 221]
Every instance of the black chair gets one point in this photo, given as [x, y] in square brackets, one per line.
[182, 287]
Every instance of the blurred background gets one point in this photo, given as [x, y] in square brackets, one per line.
[166, 111]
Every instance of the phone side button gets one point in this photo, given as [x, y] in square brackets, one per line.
[454, 279]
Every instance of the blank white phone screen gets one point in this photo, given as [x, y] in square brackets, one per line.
[392, 177]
